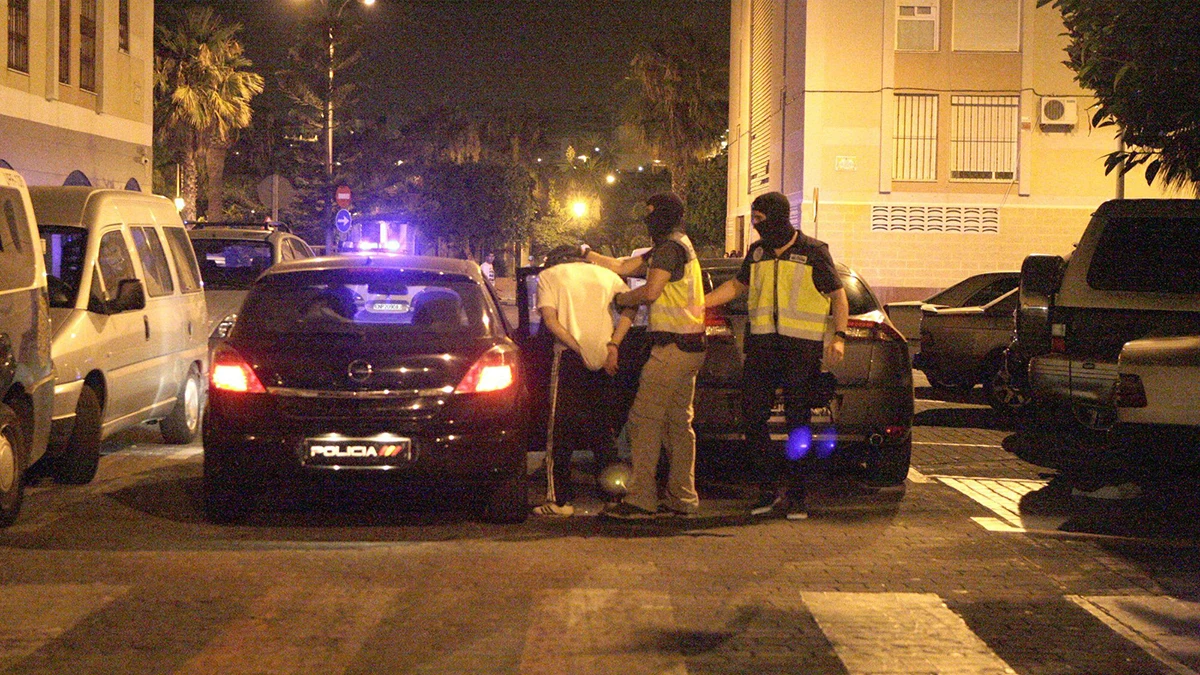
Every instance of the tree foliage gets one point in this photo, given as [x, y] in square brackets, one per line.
[1142, 59]
[680, 99]
[202, 90]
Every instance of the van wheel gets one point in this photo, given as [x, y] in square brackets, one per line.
[184, 421]
[12, 454]
[78, 464]
[509, 501]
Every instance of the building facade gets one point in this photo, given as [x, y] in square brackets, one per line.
[76, 95]
[924, 140]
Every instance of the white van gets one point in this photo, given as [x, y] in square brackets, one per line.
[128, 314]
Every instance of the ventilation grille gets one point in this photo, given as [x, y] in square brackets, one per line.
[762, 93]
[934, 218]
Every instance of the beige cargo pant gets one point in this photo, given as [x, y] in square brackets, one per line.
[661, 417]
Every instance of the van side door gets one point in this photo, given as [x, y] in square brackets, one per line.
[122, 347]
[165, 320]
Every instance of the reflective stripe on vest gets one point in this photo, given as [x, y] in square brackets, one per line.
[680, 308]
[801, 311]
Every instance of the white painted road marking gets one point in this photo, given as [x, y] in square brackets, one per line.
[1001, 496]
[1164, 627]
[32, 615]
[900, 633]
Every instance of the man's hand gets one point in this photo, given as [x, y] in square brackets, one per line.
[610, 363]
[835, 350]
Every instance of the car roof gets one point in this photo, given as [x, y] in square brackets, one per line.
[390, 261]
[244, 231]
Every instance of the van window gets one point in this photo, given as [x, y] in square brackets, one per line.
[64, 249]
[185, 259]
[16, 249]
[154, 261]
[1152, 255]
[114, 264]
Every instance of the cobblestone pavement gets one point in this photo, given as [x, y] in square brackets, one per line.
[985, 563]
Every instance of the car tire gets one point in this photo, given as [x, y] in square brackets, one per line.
[508, 502]
[890, 468]
[78, 463]
[228, 496]
[183, 423]
[13, 452]
[1002, 391]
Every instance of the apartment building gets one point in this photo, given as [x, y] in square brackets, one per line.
[76, 95]
[924, 140]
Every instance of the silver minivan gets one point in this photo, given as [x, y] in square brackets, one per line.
[128, 314]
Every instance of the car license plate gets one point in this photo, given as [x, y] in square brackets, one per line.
[366, 452]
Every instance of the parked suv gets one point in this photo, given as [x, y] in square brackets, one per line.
[26, 371]
[1158, 396]
[231, 256]
[128, 313]
[1133, 275]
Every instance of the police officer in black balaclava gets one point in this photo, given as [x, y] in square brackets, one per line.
[793, 285]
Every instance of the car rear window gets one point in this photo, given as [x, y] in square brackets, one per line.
[1155, 255]
[379, 302]
[231, 264]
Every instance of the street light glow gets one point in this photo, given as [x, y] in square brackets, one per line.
[610, 179]
[579, 208]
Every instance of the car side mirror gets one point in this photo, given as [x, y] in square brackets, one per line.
[131, 295]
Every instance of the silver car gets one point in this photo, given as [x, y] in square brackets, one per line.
[973, 291]
[231, 256]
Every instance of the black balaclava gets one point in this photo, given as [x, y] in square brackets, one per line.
[665, 218]
[777, 229]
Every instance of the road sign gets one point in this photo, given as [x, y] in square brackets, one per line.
[342, 221]
[343, 196]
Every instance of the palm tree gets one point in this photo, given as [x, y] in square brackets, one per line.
[680, 100]
[202, 97]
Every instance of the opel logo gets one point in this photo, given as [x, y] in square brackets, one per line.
[360, 371]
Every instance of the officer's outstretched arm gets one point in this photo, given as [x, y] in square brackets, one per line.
[724, 293]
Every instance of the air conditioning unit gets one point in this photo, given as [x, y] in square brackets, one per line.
[1059, 111]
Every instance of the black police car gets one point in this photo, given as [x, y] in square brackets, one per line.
[382, 367]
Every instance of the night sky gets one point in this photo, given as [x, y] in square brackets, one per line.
[560, 56]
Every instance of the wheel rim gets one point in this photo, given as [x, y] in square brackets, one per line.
[191, 402]
[8, 462]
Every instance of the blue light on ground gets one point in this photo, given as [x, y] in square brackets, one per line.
[799, 442]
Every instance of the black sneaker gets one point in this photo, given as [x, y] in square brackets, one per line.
[624, 511]
[677, 513]
[770, 503]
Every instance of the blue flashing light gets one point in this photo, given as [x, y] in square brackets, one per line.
[826, 445]
[799, 442]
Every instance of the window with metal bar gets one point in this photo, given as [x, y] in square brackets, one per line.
[763, 96]
[983, 138]
[18, 35]
[64, 41]
[915, 138]
[87, 45]
[123, 25]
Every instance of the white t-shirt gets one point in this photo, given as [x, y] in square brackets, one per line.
[582, 293]
[489, 271]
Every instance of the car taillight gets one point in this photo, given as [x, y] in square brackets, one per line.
[1128, 392]
[872, 330]
[230, 372]
[1058, 337]
[495, 370]
[716, 324]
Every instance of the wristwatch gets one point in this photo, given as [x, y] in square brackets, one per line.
[841, 334]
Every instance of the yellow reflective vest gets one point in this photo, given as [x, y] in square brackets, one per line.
[680, 308]
[783, 299]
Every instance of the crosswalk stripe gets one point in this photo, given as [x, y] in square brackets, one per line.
[1001, 496]
[1163, 627]
[901, 633]
[32, 615]
[601, 630]
[295, 630]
